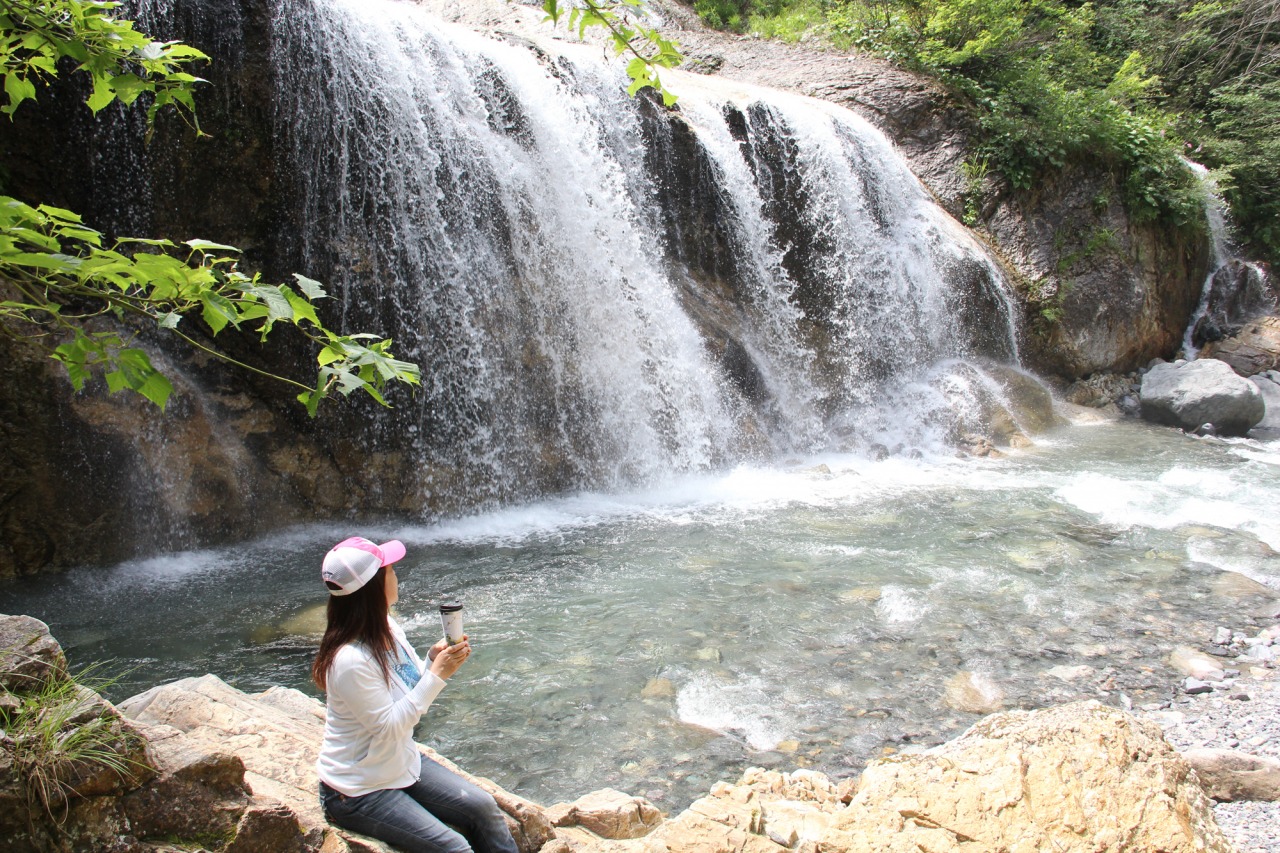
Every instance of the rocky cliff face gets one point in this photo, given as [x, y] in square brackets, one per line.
[88, 478]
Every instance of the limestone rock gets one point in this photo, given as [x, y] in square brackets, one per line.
[608, 814]
[802, 785]
[277, 734]
[28, 652]
[658, 688]
[794, 822]
[1188, 394]
[1081, 777]
[1070, 673]
[977, 445]
[1229, 775]
[267, 826]
[1255, 349]
[1196, 664]
[200, 793]
[1236, 585]
[729, 820]
[1008, 406]
[1101, 390]
[1027, 402]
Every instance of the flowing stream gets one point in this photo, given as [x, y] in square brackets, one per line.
[802, 614]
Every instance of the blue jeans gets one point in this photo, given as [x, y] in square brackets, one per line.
[414, 819]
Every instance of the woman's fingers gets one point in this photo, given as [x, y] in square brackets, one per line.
[450, 658]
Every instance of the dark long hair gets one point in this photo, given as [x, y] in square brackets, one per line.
[360, 617]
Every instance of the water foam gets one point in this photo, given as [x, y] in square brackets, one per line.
[746, 709]
[897, 606]
[1179, 496]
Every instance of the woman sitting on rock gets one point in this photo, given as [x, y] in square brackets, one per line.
[373, 779]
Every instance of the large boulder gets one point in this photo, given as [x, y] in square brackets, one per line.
[1254, 349]
[1189, 394]
[29, 654]
[1080, 777]
[277, 735]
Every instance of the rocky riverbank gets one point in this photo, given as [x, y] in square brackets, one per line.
[212, 768]
[1224, 718]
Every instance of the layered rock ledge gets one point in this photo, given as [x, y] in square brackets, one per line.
[228, 771]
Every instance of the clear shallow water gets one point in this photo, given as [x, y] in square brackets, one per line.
[794, 615]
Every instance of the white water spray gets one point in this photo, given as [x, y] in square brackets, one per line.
[498, 207]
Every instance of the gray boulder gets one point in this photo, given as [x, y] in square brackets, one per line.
[1269, 385]
[1229, 776]
[1189, 394]
[29, 655]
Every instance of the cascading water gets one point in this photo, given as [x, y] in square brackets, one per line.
[497, 209]
[1234, 290]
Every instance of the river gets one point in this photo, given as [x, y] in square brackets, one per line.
[806, 613]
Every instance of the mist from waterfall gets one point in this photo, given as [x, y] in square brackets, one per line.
[496, 207]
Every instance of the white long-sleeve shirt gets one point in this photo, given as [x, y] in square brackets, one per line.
[368, 725]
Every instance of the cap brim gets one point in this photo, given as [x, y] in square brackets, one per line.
[392, 552]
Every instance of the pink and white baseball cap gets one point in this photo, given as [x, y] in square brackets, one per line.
[352, 562]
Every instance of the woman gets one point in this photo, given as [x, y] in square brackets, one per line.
[373, 779]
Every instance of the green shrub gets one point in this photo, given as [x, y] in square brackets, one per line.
[1246, 147]
[1042, 91]
[736, 15]
[57, 733]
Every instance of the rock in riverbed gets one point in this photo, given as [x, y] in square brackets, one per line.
[1190, 394]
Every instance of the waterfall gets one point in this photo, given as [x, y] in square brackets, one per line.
[600, 293]
[1234, 289]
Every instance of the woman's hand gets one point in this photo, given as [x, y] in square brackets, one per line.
[448, 659]
[440, 646]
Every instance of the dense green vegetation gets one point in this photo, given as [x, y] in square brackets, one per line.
[1130, 85]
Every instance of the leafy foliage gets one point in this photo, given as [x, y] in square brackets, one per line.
[624, 21]
[60, 274]
[1132, 84]
[1042, 91]
[122, 62]
[737, 15]
[65, 274]
[1246, 144]
[1222, 66]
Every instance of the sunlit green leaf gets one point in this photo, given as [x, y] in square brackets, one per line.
[207, 246]
[312, 288]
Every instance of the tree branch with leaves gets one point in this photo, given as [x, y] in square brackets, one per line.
[59, 274]
[625, 24]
